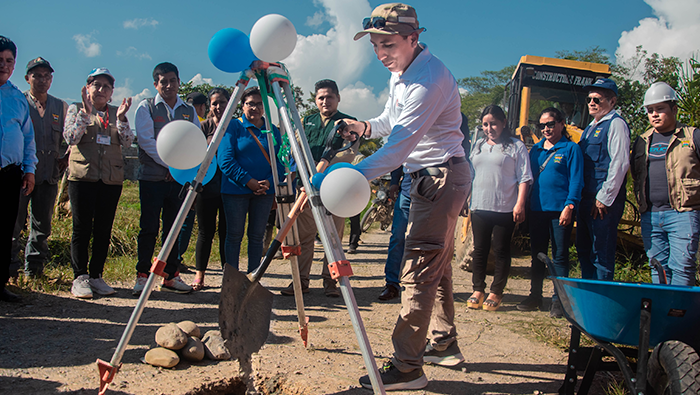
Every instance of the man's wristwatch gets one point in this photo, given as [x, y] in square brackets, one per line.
[570, 206]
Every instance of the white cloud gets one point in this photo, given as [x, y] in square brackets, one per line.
[332, 55]
[316, 20]
[125, 91]
[673, 32]
[86, 45]
[133, 52]
[140, 22]
[360, 101]
[199, 80]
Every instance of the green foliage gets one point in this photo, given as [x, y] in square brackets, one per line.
[593, 55]
[484, 90]
[368, 147]
[187, 88]
[689, 91]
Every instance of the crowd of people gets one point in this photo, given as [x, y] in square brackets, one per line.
[558, 182]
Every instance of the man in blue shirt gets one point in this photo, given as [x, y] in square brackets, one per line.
[17, 157]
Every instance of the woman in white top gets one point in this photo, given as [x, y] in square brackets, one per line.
[501, 177]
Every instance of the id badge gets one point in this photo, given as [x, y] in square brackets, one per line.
[104, 139]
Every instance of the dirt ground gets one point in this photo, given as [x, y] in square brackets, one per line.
[50, 342]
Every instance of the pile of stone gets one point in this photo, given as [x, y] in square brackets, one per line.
[182, 340]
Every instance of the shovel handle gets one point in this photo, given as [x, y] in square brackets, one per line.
[277, 242]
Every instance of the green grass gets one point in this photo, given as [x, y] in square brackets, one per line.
[121, 262]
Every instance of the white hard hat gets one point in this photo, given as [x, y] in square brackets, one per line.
[659, 92]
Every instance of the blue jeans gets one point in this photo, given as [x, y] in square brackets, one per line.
[236, 208]
[672, 238]
[183, 239]
[157, 197]
[544, 227]
[399, 224]
[596, 239]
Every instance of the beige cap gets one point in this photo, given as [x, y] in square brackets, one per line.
[392, 18]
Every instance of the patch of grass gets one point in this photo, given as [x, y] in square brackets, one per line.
[615, 386]
[121, 261]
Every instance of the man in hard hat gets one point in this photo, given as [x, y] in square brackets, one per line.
[422, 122]
[605, 145]
[665, 166]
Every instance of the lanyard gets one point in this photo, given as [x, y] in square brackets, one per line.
[105, 121]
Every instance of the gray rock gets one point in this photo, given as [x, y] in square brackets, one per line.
[194, 350]
[190, 328]
[160, 356]
[171, 336]
[214, 346]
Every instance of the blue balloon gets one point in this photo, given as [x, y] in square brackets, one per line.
[229, 50]
[184, 176]
[317, 179]
[339, 165]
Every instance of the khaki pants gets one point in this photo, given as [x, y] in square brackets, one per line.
[426, 273]
[307, 233]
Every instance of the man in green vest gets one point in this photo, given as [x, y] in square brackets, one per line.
[317, 127]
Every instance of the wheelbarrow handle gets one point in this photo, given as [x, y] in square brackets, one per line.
[545, 259]
[660, 269]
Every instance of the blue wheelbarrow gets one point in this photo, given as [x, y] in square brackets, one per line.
[626, 320]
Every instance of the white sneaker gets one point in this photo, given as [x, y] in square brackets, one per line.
[141, 280]
[81, 287]
[176, 285]
[100, 287]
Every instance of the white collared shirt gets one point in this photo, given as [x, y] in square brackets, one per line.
[144, 126]
[421, 117]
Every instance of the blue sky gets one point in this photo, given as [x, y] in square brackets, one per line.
[131, 37]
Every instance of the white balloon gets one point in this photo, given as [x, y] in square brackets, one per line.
[273, 38]
[345, 192]
[181, 144]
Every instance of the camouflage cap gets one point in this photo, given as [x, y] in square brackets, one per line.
[392, 18]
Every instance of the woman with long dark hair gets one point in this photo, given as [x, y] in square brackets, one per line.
[247, 186]
[499, 190]
[209, 204]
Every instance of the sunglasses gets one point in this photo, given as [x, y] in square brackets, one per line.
[377, 22]
[594, 99]
[549, 124]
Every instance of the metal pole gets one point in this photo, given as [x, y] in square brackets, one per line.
[327, 231]
[175, 229]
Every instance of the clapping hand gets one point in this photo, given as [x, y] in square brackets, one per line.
[123, 108]
[87, 104]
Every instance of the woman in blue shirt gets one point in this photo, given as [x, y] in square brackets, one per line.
[557, 168]
[247, 183]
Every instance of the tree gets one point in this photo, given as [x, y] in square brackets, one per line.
[484, 90]
[592, 54]
[689, 92]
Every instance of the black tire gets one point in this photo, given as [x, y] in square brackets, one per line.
[674, 368]
[368, 218]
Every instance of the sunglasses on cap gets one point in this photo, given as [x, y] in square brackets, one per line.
[376, 22]
[549, 124]
[595, 100]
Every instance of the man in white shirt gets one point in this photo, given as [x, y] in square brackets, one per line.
[606, 148]
[158, 192]
[422, 121]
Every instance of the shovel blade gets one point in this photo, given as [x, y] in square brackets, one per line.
[245, 308]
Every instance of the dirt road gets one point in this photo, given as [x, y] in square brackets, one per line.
[50, 343]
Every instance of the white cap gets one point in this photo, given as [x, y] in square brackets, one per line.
[659, 92]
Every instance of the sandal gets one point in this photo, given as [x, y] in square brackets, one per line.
[492, 305]
[197, 284]
[475, 302]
